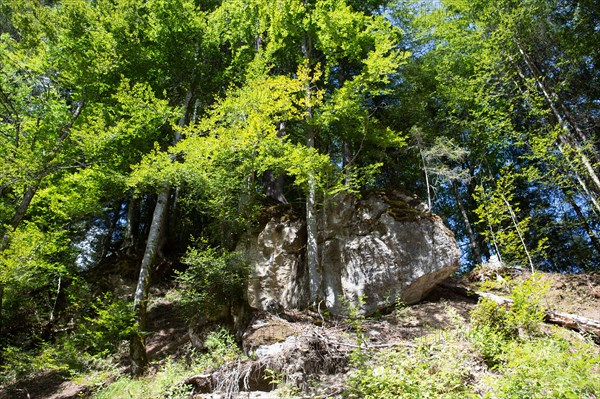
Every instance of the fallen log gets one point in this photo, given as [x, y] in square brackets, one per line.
[574, 322]
[566, 320]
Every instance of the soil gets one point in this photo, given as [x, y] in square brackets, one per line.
[569, 293]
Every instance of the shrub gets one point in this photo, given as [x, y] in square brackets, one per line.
[111, 323]
[494, 326]
[221, 346]
[548, 367]
[213, 282]
[437, 367]
[166, 382]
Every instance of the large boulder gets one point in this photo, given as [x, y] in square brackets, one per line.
[374, 252]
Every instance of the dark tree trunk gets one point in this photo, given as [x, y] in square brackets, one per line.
[132, 229]
[473, 244]
[583, 221]
[274, 185]
[112, 225]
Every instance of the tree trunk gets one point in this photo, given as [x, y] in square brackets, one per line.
[475, 251]
[590, 195]
[516, 224]
[564, 141]
[20, 212]
[583, 221]
[112, 225]
[16, 220]
[312, 250]
[139, 360]
[137, 347]
[567, 320]
[551, 98]
[274, 185]
[133, 226]
[346, 162]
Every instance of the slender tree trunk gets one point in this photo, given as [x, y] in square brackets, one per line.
[20, 212]
[139, 360]
[516, 224]
[346, 161]
[583, 221]
[590, 195]
[274, 186]
[426, 179]
[133, 226]
[312, 249]
[475, 251]
[112, 225]
[137, 346]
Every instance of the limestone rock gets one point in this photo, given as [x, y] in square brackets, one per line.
[278, 277]
[373, 252]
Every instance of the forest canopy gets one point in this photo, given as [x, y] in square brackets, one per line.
[132, 131]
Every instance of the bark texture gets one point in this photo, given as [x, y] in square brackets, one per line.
[139, 360]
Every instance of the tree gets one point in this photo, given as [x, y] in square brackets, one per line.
[502, 74]
[65, 113]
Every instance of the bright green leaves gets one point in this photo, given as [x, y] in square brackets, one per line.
[505, 225]
[214, 281]
[32, 251]
[33, 260]
[132, 118]
[222, 157]
[85, 52]
[342, 32]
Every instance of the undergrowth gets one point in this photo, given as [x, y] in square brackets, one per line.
[167, 380]
[92, 346]
[503, 354]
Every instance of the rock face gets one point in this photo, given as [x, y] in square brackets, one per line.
[373, 252]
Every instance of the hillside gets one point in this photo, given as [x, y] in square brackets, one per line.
[176, 175]
[446, 347]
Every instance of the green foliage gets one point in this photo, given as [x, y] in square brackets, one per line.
[490, 330]
[437, 367]
[212, 283]
[62, 355]
[549, 367]
[494, 325]
[355, 317]
[221, 347]
[166, 381]
[503, 222]
[36, 271]
[102, 333]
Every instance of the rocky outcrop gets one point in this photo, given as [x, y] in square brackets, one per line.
[278, 276]
[373, 252]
